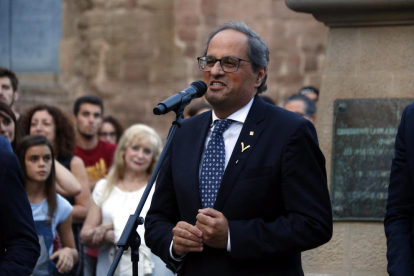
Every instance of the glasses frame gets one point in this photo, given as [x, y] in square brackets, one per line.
[221, 64]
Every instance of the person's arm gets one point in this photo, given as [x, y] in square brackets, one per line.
[66, 183]
[68, 255]
[92, 184]
[18, 232]
[80, 209]
[399, 215]
[93, 234]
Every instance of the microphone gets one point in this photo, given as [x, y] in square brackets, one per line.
[196, 90]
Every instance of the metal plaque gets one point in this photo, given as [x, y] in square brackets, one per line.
[363, 146]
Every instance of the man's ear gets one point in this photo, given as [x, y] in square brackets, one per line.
[100, 122]
[313, 119]
[260, 76]
[73, 118]
[15, 96]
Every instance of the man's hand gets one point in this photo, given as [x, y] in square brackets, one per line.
[187, 238]
[214, 226]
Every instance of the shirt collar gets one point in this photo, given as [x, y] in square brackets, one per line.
[238, 116]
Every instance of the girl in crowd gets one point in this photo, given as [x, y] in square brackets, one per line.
[52, 123]
[117, 196]
[111, 130]
[50, 210]
[8, 125]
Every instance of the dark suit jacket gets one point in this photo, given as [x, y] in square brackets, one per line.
[5, 144]
[17, 231]
[399, 216]
[273, 194]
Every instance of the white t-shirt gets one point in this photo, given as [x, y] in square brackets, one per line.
[47, 232]
[117, 208]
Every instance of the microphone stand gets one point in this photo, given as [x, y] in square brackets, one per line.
[130, 237]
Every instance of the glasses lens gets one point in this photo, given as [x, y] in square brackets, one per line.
[202, 63]
[206, 63]
[230, 64]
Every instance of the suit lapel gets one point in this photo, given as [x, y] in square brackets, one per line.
[253, 125]
[196, 144]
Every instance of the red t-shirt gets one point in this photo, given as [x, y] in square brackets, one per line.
[97, 162]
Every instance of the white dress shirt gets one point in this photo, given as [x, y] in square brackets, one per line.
[230, 136]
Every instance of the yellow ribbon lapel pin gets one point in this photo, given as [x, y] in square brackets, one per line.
[244, 148]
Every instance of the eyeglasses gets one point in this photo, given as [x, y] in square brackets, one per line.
[228, 64]
[107, 134]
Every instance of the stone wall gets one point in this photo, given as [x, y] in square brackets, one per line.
[135, 53]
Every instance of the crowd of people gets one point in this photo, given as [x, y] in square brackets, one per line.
[83, 175]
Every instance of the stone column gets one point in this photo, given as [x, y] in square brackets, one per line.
[370, 54]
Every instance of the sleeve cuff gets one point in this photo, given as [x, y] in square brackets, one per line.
[180, 259]
[228, 242]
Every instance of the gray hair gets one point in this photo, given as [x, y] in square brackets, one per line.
[257, 51]
[310, 106]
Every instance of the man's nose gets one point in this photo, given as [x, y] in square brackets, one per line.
[217, 70]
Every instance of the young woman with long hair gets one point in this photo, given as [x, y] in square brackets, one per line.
[52, 123]
[50, 211]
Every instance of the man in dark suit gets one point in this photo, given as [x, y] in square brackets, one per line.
[272, 201]
[19, 245]
[399, 217]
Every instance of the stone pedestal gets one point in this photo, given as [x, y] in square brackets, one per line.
[370, 54]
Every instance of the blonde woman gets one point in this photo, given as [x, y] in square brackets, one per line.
[117, 196]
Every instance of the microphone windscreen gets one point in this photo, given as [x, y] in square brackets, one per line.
[201, 87]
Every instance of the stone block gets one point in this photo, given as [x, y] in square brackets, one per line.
[136, 70]
[187, 18]
[166, 5]
[67, 57]
[311, 62]
[291, 64]
[114, 4]
[209, 6]
[344, 59]
[185, 5]
[236, 10]
[313, 44]
[402, 85]
[113, 60]
[330, 256]
[289, 80]
[187, 33]
[138, 50]
[386, 49]
[283, 45]
[313, 79]
[295, 28]
[93, 17]
[367, 247]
